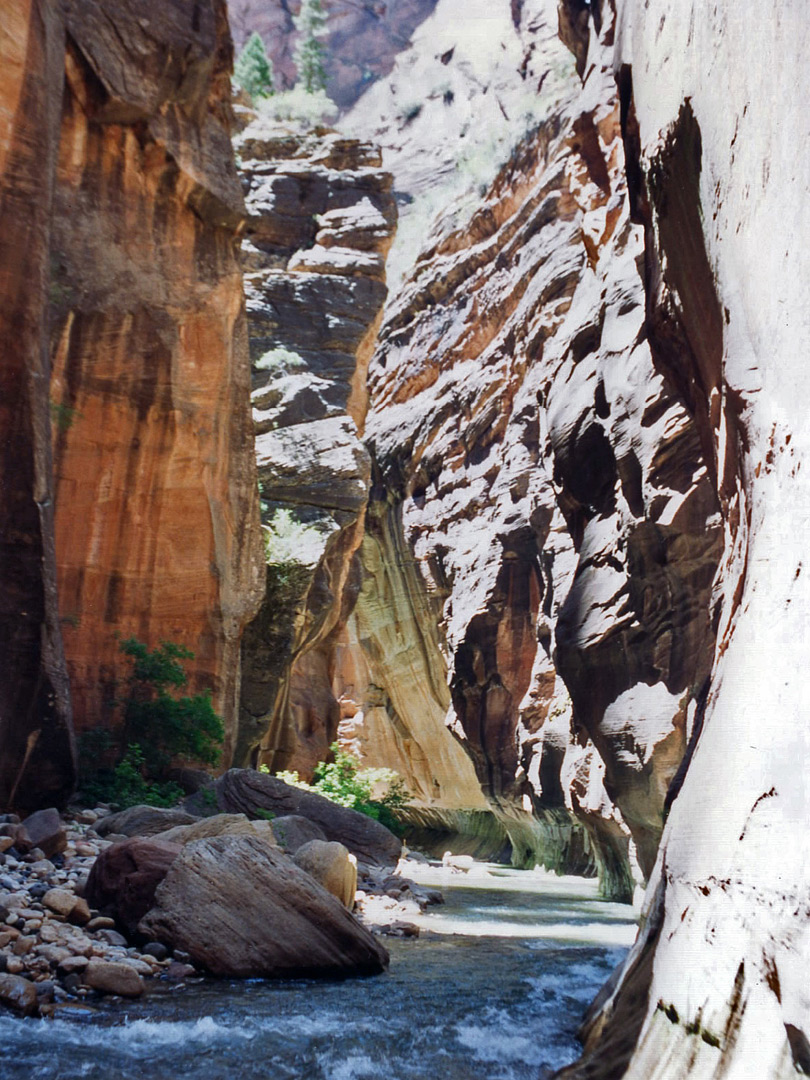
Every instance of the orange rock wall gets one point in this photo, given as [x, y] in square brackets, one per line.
[156, 496]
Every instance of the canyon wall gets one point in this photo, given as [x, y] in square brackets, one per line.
[362, 41]
[321, 219]
[37, 760]
[121, 207]
[543, 513]
[156, 502]
[716, 132]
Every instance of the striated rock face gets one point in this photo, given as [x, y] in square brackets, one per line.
[544, 512]
[37, 760]
[156, 506]
[239, 907]
[321, 218]
[717, 982]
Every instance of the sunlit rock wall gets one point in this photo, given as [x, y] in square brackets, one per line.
[36, 754]
[552, 494]
[157, 531]
[321, 219]
[716, 130]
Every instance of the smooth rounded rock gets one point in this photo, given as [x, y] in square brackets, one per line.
[332, 865]
[113, 977]
[18, 994]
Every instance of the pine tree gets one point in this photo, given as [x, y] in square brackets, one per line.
[309, 52]
[253, 70]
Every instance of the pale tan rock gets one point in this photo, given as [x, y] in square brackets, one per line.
[23, 945]
[61, 901]
[220, 825]
[332, 865]
[5, 843]
[113, 977]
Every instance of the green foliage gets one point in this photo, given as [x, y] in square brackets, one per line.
[158, 727]
[165, 726]
[342, 781]
[126, 785]
[279, 361]
[253, 70]
[309, 54]
[298, 107]
[63, 416]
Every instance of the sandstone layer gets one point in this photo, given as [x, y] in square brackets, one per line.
[156, 505]
[320, 221]
[717, 167]
[239, 907]
[543, 520]
[37, 760]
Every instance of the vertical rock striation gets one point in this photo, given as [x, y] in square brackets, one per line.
[718, 168]
[37, 760]
[156, 503]
[548, 513]
[321, 219]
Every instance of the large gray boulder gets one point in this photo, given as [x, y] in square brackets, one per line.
[239, 907]
[247, 791]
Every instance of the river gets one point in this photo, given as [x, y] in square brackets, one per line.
[492, 989]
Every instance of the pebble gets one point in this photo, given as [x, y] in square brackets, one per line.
[53, 947]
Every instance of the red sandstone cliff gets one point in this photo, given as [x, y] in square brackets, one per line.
[121, 200]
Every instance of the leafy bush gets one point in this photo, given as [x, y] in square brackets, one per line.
[126, 785]
[129, 767]
[342, 781]
[298, 106]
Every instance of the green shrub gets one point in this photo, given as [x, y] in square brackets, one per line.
[129, 766]
[342, 781]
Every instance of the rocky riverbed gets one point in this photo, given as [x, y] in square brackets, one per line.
[80, 900]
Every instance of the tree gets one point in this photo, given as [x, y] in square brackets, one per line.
[253, 70]
[309, 52]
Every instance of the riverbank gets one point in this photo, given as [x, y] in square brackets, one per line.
[493, 988]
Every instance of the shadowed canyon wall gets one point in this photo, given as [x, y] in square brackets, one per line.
[123, 206]
[34, 700]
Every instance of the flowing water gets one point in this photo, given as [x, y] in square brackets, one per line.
[493, 989]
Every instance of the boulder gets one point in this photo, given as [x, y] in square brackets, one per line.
[124, 877]
[143, 821]
[68, 905]
[240, 907]
[248, 791]
[220, 825]
[113, 977]
[332, 865]
[46, 832]
[293, 831]
[18, 994]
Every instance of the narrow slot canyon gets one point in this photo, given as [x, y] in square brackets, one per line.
[401, 517]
